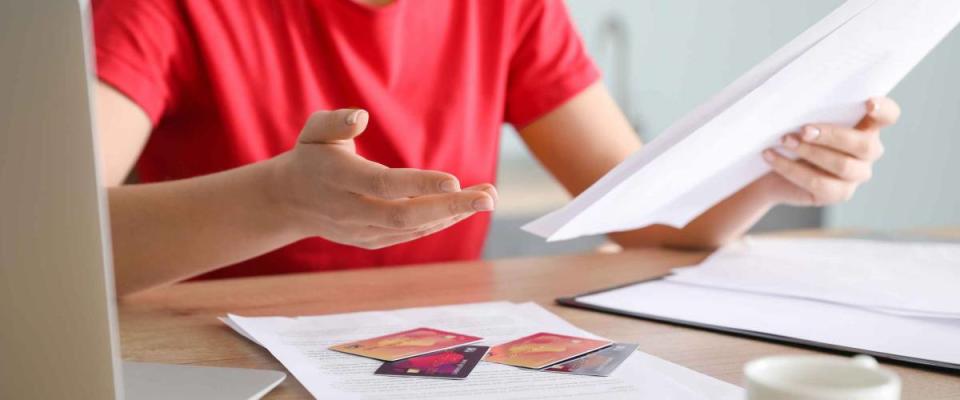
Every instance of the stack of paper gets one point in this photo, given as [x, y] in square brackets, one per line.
[892, 299]
[931, 341]
[302, 343]
[902, 278]
[861, 50]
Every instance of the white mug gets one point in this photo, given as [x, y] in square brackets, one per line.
[820, 378]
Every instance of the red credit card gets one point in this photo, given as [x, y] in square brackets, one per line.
[542, 350]
[406, 344]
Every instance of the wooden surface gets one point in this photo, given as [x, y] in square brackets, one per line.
[178, 324]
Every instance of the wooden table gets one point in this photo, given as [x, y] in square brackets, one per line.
[178, 324]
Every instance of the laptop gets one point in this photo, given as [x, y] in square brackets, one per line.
[58, 322]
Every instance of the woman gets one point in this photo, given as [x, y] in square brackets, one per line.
[208, 99]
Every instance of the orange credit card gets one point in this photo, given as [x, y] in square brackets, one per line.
[542, 350]
[406, 344]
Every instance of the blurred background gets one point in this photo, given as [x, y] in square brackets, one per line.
[661, 58]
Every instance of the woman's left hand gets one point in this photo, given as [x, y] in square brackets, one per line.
[832, 161]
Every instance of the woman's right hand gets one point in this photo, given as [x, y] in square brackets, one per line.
[325, 189]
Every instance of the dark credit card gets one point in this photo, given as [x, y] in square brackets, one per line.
[455, 363]
[599, 363]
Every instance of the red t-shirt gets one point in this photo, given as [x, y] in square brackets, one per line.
[228, 83]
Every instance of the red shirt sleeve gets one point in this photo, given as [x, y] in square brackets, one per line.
[142, 50]
[550, 64]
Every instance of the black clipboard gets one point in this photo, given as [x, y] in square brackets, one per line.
[832, 348]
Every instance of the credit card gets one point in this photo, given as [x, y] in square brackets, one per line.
[542, 350]
[406, 344]
[455, 363]
[599, 363]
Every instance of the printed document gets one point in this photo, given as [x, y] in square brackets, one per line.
[825, 75]
[301, 344]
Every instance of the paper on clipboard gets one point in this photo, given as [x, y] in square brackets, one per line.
[901, 278]
[820, 324]
[862, 49]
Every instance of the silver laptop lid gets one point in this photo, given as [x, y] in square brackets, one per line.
[57, 317]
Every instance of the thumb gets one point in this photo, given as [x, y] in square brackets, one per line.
[334, 126]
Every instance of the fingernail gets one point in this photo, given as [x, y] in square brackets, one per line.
[873, 107]
[810, 133]
[484, 204]
[492, 191]
[790, 142]
[355, 116]
[768, 156]
[449, 186]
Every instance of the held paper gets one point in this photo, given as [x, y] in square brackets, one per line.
[861, 50]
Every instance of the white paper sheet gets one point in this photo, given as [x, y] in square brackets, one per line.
[904, 278]
[856, 328]
[862, 49]
[301, 345]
